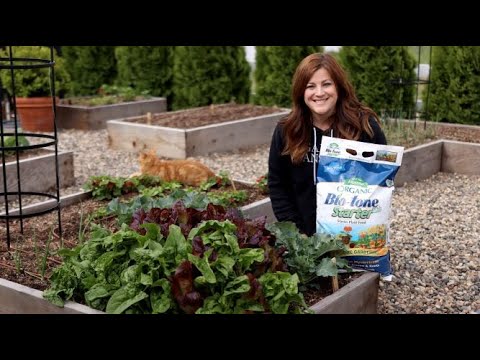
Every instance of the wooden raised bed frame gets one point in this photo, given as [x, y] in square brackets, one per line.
[358, 297]
[179, 143]
[37, 173]
[95, 117]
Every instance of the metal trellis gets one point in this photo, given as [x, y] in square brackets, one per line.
[11, 183]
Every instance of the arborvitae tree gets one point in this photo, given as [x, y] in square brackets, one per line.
[274, 70]
[454, 94]
[241, 83]
[383, 77]
[35, 82]
[90, 67]
[205, 75]
[146, 68]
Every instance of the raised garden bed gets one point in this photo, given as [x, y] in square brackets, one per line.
[19, 299]
[357, 297]
[212, 129]
[260, 206]
[421, 162]
[83, 117]
[16, 298]
[37, 173]
[75, 207]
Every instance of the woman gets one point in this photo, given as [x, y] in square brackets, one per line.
[324, 104]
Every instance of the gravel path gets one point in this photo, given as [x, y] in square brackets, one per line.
[435, 229]
[435, 247]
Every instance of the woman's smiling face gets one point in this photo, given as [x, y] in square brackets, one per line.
[321, 96]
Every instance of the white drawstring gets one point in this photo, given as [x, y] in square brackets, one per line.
[314, 155]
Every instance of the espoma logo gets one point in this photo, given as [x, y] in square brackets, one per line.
[332, 149]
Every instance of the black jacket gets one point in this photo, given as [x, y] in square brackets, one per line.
[292, 188]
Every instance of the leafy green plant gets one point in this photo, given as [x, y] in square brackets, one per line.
[108, 187]
[309, 257]
[34, 82]
[407, 134]
[262, 183]
[9, 141]
[190, 197]
[223, 179]
[18, 260]
[179, 260]
[228, 198]
[105, 187]
[107, 95]
[127, 93]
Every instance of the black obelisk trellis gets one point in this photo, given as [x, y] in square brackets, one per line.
[13, 64]
[416, 82]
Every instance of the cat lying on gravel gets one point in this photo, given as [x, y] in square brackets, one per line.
[187, 172]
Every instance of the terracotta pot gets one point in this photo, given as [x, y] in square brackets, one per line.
[36, 114]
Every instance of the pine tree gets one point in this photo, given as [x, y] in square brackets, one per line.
[205, 75]
[275, 66]
[90, 67]
[146, 68]
[383, 77]
[454, 85]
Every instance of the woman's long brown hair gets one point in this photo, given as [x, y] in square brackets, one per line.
[350, 119]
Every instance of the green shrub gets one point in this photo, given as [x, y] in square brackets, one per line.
[261, 183]
[9, 141]
[146, 68]
[454, 85]
[275, 66]
[205, 75]
[107, 95]
[34, 82]
[373, 71]
[89, 67]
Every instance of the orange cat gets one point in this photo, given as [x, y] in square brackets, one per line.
[187, 172]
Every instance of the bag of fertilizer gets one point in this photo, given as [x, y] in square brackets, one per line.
[354, 194]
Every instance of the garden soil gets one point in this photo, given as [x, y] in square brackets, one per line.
[207, 115]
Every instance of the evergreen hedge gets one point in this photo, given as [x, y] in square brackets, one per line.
[376, 72]
[205, 75]
[34, 82]
[146, 68]
[89, 67]
[275, 66]
[454, 85]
